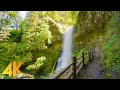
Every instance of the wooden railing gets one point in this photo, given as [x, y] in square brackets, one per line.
[76, 67]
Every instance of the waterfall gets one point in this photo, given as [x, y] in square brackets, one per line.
[66, 55]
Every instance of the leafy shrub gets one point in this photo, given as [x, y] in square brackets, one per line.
[111, 45]
[13, 52]
[37, 64]
[15, 36]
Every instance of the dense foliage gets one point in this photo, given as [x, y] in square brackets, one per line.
[35, 40]
[99, 29]
[111, 47]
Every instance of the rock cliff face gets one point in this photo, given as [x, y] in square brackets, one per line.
[56, 36]
[89, 26]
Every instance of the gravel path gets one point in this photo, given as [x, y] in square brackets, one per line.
[92, 71]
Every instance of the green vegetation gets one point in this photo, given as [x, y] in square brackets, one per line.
[100, 29]
[111, 46]
[37, 39]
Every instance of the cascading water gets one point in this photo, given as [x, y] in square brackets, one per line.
[65, 58]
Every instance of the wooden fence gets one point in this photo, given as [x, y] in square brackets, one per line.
[76, 67]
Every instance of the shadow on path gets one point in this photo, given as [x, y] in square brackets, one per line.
[92, 71]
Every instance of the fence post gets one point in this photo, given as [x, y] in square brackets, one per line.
[90, 56]
[83, 59]
[74, 67]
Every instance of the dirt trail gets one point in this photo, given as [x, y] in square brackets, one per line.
[92, 70]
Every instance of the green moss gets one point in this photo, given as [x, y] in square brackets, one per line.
[111, 46]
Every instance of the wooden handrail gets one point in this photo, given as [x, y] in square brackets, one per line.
[57, 75]
[78, 64]
[79, 58]
[76, 67]
[79, 68]
[69, 75]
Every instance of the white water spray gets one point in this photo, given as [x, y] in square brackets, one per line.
[66, 56]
